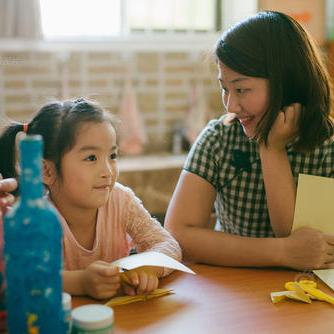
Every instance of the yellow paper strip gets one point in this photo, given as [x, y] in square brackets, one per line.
[294, 287]
[280, 295]
[311, 288]
[303, 290]
[123, 300]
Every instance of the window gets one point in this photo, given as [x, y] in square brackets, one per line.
[173, 15]
[80, 18]
[107, 18]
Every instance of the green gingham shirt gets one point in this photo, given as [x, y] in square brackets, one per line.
[240, 204]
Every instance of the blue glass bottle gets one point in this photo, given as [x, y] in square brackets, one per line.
[33, 255]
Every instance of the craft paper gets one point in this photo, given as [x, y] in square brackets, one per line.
[315, 208]
[327, 276]
[314, 203]
[123, 300]
[304, 291]
[151, 259]
[278, 296]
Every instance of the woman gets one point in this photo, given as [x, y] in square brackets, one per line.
[277, 95]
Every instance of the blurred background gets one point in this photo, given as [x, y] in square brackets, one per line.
[147, 61]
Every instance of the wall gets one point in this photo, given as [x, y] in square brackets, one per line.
[162, 81]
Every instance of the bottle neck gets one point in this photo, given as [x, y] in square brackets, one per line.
[31, 186]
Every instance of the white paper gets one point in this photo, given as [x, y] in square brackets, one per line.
[314, 203]
[151, 259]
[327, 276]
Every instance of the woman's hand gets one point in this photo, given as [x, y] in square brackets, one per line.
[143, 280]
[307, 249]
[278, 178]
[6, 199]
[285, 127]
[100, 280]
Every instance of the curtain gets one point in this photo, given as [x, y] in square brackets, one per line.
[20, 19]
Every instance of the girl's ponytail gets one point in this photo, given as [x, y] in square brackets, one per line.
[8, 150]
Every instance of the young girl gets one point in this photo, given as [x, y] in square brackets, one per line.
[277, 95]
[101, 219]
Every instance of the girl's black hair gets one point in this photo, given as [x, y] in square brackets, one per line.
[57, 122]
[274, 46]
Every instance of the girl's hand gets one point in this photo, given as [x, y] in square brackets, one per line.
[307, 249]
[285, 127]
[101, 280]
[141, 281]
[6, 199]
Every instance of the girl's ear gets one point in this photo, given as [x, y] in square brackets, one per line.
[49, 173]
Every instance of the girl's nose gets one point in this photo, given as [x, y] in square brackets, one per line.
[107, 169]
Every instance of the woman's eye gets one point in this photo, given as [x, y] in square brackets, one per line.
[91, 158]
[113, 156]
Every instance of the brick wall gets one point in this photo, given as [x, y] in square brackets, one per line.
[162, 81]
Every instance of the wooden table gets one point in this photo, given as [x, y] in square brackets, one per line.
[223, 300]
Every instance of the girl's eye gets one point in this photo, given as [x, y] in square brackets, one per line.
[91, 158]
[113, 156]
[241, 90]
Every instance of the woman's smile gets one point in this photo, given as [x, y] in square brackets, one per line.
[246, 121]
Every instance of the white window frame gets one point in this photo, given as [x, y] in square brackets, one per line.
[125, 29]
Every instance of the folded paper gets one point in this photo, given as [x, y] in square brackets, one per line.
[123, 300]
[133, 262]
[280, 295]
[314, 203]
[304, 291]
[151, 259]
[327, 276]
[314, 208]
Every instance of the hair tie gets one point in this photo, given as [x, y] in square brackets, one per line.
[25, 127]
